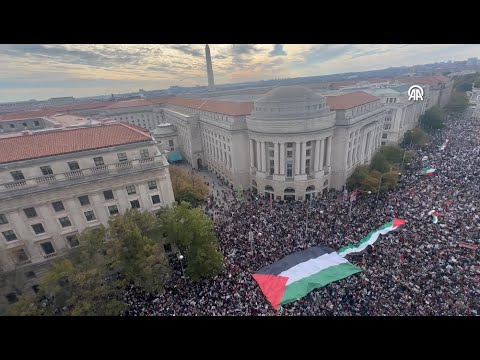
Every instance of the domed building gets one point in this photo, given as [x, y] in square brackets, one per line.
[291, 143]
[290, 139]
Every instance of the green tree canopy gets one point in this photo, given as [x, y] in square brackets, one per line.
[191, 230]
[433, 118]
[188, 186]
[458, 102]
[92, 281]
[379, 163]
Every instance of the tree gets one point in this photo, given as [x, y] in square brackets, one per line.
[416, 136]
[188, 186]
[355, 180]
[458, 102]
[433, 118]
[379, 163]
[393, 154]
[191, 230]
[92, 282]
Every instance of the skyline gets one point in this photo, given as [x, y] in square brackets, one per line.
[44, 71]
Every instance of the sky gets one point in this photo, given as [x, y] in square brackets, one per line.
[43, 71]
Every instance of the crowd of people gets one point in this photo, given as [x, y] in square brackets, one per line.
[420, 269]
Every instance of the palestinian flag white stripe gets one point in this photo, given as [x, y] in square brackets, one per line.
[312, 266]
[371, 238]
[427, 171]
[435, 217]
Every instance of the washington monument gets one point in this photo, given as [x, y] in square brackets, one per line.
[211, 83]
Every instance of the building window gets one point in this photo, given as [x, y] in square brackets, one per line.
[289, 153]
[21, 256]
[289, 169]
[131, 189]
[272, 167]
[84, 200]
[17, 175]
[271, 153]
[65, 221]
[90, 215]
[73, 165]
[36, 123]
[152, 184]
[108, 194]
[3, 219]
[383, 143]
[309, 143]
[308, 152]
[144, 154]
[289, 145]
[122, 156]
[58, 206]
[46, 170]
[30, 212]
[38, 229]
[307, 166]
[113, 209]
[135, 204]
[9, 235]
[384, 135]
[98, 161]
[73, 241]
[47, 248]
[155, 199]
[170, 143]
[12, 126]
[24, 124]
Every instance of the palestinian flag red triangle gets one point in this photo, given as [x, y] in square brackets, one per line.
[272, 286]
[398, 222]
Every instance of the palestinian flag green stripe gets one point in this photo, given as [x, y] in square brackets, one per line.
[371, 238]
[303, 286]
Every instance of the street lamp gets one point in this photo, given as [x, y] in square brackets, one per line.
[180, 258]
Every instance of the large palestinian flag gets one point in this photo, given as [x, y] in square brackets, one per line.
[297, 274]
[427, 172]
[371, 237]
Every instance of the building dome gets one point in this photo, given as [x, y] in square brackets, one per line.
[164, 129]
[289, 102]
[290, 94]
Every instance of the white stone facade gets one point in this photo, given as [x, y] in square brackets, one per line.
[41, 215]
[291, 145]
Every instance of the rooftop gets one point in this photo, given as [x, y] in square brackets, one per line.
[221, 107]
[290, 94]
[350, 100]
[64, 141]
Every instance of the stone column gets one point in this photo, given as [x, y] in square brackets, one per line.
[297, 158]
[329, 150]
[316, 161]
[304, 158]
[252, 155]
[282, 158]
[259, 159]
[275, 155]
[322, 154]
[262, 155]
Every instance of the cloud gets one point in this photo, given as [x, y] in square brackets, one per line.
[277, 50]
[188, 50]
[48, 70]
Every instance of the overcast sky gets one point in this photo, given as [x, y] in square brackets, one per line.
[44, 71]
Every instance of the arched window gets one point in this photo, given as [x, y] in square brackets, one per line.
[289, 191]
[254, 183]
[269, 188]
[325, 183]
[310, 188]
